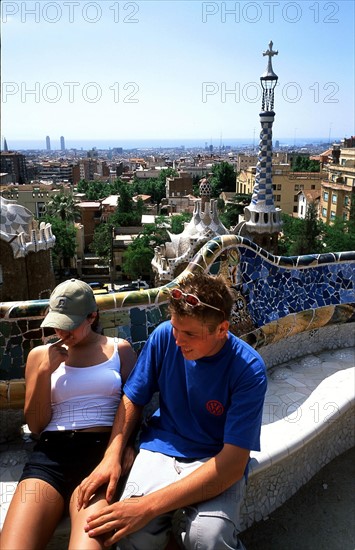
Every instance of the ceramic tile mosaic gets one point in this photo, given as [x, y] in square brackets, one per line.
[275, 298]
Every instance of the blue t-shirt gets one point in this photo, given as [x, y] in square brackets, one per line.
[204, 403]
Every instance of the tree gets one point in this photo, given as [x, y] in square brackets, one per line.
[223, 178]
[305, 164]
[234, 208]
[65, 241]
[138, 256]
[339, 236]
[102, 242]
[178, 222]
[94, 190]
[155, 187]
[308, 240]
[127, 213]
[64, 206]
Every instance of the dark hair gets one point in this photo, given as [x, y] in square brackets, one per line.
[95, 326]
[213, 290]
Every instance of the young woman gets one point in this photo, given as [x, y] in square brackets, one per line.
[73, 388]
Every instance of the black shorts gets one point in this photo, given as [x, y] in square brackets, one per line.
[64, 459]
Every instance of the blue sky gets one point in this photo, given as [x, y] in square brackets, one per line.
[174, 69]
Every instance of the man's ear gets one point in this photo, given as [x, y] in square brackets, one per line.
[223, 329]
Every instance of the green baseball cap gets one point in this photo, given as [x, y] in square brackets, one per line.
[69, 305]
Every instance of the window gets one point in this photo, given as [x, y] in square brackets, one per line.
[277, 198]
[313, 187]
[40, 209]
[295, 209]
[324, 212]
[332, 215]
[295, 198]
[301, 211]
[278, 187]
[325, 196]
[346, 200]
[297, 187]
[334, 199]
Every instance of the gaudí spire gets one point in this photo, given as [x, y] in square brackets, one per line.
[262, 219]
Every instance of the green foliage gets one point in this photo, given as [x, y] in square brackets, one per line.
[137, 260]
[308, 240]
[101, 243]
[94, 190]
[304, 164]
[155, 187]
[340, 236]
[231, 211]
[178, 222]
[65, 241]
[64, 207]
[138, 256]
[223, 178]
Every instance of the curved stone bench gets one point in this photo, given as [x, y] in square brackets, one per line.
[308, 421]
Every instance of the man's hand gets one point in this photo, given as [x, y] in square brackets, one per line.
[123, 518]
[107, 472]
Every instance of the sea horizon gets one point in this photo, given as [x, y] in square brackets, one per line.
[163, 143]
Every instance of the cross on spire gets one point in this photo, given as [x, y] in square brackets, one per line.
[270, 52]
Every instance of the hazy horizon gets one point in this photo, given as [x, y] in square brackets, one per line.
[85, 144]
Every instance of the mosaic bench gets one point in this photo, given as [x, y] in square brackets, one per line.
[292, 310]
[308, 421]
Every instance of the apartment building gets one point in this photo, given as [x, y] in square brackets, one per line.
[338, 186]
[91, 169]
[14, 165]
[33, 196]
[286, 185]
[54, 171]
[179, 191]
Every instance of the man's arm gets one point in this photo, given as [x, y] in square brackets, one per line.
[209, 480]
[109, 470]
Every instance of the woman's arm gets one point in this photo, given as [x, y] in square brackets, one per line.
[41, 363]
[128, 358]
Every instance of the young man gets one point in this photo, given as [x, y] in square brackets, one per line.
[190, 472]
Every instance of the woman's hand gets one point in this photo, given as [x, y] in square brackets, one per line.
[56, 354]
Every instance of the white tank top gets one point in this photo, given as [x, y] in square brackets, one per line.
[85, 397]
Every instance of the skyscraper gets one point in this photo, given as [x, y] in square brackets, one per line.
[48, 143]
[62, 143]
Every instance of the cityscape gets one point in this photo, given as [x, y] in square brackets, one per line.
[143, 141]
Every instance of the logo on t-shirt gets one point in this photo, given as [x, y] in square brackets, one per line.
[215, 407]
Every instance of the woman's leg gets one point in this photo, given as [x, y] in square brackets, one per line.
[78, 537]
[34, 512]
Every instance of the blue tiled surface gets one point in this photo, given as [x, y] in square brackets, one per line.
[270, 291]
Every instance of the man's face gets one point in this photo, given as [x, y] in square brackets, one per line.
[194, 338]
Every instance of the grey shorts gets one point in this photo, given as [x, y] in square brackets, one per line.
[212, 524]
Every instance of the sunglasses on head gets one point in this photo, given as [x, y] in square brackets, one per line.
[190, 299]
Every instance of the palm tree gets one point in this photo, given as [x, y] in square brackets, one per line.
[65, 207]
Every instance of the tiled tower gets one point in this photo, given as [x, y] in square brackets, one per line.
[262, 219]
